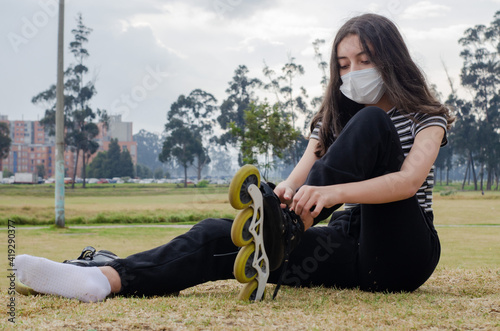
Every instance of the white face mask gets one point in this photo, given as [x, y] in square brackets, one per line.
[365, 87]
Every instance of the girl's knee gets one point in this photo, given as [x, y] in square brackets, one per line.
[369, 120]
[372, 114]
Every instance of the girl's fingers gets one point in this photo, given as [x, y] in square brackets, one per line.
[317, 209]
[299, 200]
[288, 194]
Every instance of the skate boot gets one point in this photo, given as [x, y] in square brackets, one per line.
[266, 232]
[88, 258]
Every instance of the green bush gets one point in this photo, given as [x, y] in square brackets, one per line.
[202, 183]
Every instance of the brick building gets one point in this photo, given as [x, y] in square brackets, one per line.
[32, 147]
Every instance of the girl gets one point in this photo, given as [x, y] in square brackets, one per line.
[372, 148]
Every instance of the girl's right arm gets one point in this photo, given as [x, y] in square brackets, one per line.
[286, 189]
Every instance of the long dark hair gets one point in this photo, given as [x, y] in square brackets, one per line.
[406, 85]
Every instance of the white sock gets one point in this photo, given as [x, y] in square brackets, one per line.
[87, 284]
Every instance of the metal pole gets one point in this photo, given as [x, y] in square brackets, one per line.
[60, 120]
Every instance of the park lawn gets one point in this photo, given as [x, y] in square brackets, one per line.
[463, 293]
[164, 204]
[118, 209]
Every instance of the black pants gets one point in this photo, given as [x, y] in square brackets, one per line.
[382, 247]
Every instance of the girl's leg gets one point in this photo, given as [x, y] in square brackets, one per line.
[67, 280]
[113, 278]
[326, 255]
[399, 247]
[204, 253]
[368, 147]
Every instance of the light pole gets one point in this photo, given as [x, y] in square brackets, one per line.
[59, 203]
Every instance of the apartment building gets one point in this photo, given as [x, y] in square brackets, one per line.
[33, 148]
[30, 149]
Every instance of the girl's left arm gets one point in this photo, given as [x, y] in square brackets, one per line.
[387, 188]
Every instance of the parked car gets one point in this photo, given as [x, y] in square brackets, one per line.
[8, 180]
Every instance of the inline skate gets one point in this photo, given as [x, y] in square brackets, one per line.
[265, 232]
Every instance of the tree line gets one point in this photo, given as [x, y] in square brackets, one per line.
[475, 137]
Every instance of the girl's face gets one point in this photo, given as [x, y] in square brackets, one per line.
[351, 56]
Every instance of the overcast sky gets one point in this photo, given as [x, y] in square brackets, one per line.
[144, 54]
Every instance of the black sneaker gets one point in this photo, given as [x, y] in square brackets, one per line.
[88, 258]
[92, 258]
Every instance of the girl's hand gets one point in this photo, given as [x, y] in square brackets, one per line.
[285, 193]
[310, 200]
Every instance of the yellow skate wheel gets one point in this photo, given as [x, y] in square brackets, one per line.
[243, 270]
[249, 291]
[240, 233]
[238, 189]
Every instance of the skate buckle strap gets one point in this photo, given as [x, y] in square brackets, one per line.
[87, 253]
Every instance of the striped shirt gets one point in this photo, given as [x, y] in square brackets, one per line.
[407, 130]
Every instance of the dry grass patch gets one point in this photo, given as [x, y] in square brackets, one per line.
[452, 299]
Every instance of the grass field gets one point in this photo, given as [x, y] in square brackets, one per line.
[132, 203]
[463, 293]
[114, 204]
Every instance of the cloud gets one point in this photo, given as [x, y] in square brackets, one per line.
[425, 9]
[452, 32]
[251, 44]
[238, 9]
